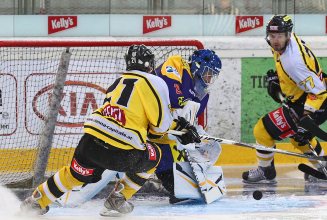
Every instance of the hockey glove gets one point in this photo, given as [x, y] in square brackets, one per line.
[302, 136]
[190, 136]
[273, 85]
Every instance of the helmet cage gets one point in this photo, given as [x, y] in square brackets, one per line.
[205, 68]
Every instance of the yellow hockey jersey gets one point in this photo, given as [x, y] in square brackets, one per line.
[135, 103]
[299, 72]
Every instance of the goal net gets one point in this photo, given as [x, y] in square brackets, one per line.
[29, 71]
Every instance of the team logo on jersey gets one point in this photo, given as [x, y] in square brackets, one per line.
[114, 112]
[81, 170]
[60, 23]
[312, 97]
[152, 152]
[246, 23]
[185, 64]
[170, 69]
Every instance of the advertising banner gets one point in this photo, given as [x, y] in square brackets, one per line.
[147, 26]
[61, 25]
[25, 96]
[79, 99]
[138, 25]
[154, 23]
[8, 104]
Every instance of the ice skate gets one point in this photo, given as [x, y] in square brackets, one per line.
[116, 204]
[261, 175]
[31, 205]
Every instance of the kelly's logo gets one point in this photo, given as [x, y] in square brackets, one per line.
[154, 23]
[279, 120]
[81, 170]
[152, 152]
[60, 23]
[246, 23]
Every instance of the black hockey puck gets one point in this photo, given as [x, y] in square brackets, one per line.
[257, 195]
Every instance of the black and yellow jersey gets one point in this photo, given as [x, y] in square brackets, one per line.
[299, 72]
[135, 103]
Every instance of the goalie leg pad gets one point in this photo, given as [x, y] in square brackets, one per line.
[199, 182]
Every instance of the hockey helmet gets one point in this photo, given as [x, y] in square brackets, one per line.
[279, 24]
[205, 66]
[139, 57]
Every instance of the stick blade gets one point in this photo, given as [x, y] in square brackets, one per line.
[307, 123]
[311, 171]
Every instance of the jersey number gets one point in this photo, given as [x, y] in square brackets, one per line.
[126, 92]
[305, 83]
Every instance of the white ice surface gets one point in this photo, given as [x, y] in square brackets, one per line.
[240, 207]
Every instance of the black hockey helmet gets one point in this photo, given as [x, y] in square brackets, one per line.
[279, 24]
[139, 57]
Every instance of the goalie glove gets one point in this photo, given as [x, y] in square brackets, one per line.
[206, 151]
[191, 134]
[273, 85]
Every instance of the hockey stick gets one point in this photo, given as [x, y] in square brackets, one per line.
[311, 171]
[257, 147]
[307, 123]
[298, 125]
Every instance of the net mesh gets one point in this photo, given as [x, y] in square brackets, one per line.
[26, 86]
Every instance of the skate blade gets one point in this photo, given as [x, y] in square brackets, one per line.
[110, 213]
[273, 181]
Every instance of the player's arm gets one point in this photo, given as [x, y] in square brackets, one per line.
[158, 108]
[203, 104]
[314, 85]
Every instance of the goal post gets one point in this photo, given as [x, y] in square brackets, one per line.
[29, 73]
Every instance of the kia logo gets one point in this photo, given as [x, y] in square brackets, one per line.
[89, 99]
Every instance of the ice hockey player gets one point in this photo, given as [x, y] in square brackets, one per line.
[115, 138]
[188, 84]
[299, 78]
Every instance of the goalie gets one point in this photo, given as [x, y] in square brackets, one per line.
[188, 92]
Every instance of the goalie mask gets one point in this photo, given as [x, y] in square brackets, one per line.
[205, 67]
[139, 57]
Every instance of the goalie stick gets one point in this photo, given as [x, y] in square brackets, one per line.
[257, 147]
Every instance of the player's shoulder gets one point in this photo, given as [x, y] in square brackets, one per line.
[295, 51]
[151, 80]
[298, 46]
[175, 67]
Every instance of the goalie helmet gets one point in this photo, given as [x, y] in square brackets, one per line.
[139, 57]
[279, 24]
[205, 66]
